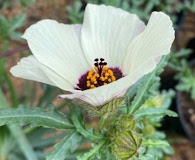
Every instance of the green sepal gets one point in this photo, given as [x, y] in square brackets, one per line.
[126, 144]
[125, 123]
[98, 111]
[111, 106]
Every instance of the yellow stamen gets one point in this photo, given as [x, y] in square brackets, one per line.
[92, 86]
[91, 72]
[95, 82]
[93, 79]
[113, 78]
[110, 72]
[107, 74]
[105, 68]
[97, 75]
[102, 78]
[89, 76]
[96, 79]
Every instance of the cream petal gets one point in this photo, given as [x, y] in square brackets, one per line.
[94, 100]
[142, 55]
[154, 41]
[58, 47]
[103, 94]
[107, 32]
[31, 69]
[77, 29]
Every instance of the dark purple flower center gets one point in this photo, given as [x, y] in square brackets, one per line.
[98, 76]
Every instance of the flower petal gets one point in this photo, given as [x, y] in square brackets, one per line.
[31, 69]
[107, 32]
[154, 41]
[58, 47]
[104, 94]
[141, 58]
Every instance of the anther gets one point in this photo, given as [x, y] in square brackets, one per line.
[96, 64]
[100, 63]
[96, 60]
[107, 74]
[101, 59]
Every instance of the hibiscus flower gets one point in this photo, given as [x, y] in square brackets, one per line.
[99, 60]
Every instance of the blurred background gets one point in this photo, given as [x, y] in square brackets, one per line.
[179, 75]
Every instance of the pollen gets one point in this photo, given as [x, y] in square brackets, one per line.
[99, 75]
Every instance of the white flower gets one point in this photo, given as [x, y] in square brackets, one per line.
[121, 47]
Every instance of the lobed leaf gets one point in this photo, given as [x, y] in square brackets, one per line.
[153, 112]
[66, 146]
[23, 143]
[18, 134]
[93, 152]
[41, 142]
[147, 86]
[35, 117]
[17, 22]
[155, 143]
[76, 118]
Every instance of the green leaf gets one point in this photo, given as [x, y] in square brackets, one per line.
[15, 35]
[48, 96]
[40, 141]
[155, 143]
[76, 117]
[18, 134]
[23, 143]
[26, 3]
[17, 22]
[12, 90]
[142, 93]
[153, 112]
[66, 146]
[93, 152]
[146, 87]
[3, 102]
[6, 142]
[75, 13]
[35, 117]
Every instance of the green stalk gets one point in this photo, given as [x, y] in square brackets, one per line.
[8, 81]
[14, 97]
[23, 142]
[18, 134]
